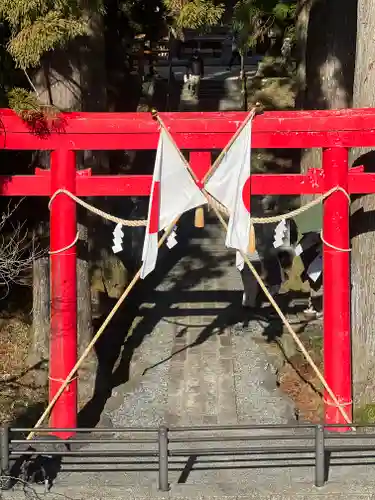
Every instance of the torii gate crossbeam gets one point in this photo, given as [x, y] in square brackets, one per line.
[199, 133]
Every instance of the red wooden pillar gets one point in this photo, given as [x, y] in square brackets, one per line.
[63, 274]
[337, 344]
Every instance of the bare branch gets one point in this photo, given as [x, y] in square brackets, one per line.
[17, 252]
[31, 83]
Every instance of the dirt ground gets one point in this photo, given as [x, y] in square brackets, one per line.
[18, 395]
[297, 379]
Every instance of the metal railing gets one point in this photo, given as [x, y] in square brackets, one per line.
[168, 443]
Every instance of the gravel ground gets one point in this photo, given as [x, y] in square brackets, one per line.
[258, 399]
[145, 404]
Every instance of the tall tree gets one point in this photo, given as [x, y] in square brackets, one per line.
[253, 20]
[301, 28]
[330, 54]
[58, 45]
[193, 14]
[363, 219]
[326, 63]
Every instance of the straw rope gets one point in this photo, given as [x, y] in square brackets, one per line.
[212, 202]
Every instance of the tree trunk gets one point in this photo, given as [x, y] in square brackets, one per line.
[71, 79]
[302, 25]
[330, 54]
[308, 156]
[57, 82]
[93, 98]
[39, 354]
[329, 57]
[363, 220]
[326, 35]
[243, 81]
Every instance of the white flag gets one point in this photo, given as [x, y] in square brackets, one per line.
[226, 185]
[173, 192]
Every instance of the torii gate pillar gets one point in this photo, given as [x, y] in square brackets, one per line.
[336, 297]
[63, 268]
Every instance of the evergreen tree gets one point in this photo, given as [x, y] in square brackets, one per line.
[194, 14]
[63, 49]
[253, 20]
[38, 27]
[58, 45]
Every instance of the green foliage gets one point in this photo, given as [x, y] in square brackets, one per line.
[38, 26]
[35, 28]
[247, 17]
[284, 11]
[47, 33]
[253, 19]
[194, 14]
[22, 100]
[41, 119]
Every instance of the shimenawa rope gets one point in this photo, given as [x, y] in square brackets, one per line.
[217, 208]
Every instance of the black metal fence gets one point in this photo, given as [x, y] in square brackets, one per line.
[255, 440]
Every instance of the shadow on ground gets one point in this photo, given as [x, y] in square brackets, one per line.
[116, 348]
[150, 303]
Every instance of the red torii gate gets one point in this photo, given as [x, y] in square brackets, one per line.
[334, 131]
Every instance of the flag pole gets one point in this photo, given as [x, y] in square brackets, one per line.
[286, 323]
[199, 215]
[155, 115]
[199, 212]
[256, 109]
[96, 337]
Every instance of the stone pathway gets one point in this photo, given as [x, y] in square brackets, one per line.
[201, 373]
[189, 352]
